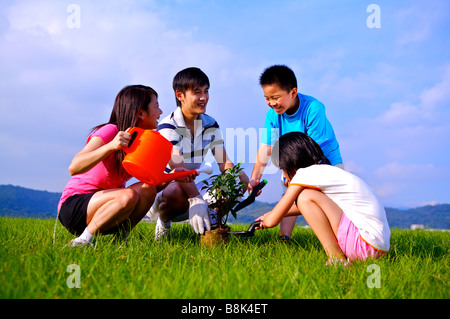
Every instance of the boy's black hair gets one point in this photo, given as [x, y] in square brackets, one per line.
[296, 150]
[281, 75]
[189, 79]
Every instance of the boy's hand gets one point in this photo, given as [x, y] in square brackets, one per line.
[253, 183]
[244, 178]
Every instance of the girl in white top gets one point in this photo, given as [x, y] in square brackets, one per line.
[343, 211]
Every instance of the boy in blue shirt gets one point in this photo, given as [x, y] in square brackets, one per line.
[291, 111]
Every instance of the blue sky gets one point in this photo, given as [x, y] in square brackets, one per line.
[386, 90]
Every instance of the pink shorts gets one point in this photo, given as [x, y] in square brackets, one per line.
[351, 243]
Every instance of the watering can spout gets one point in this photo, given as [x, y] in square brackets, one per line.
[206, 168]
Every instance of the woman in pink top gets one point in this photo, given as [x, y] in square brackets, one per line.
[95, 200]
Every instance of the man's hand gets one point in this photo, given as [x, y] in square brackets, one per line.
[186, 179]
[198, 215]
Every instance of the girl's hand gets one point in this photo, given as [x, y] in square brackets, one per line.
[120, 140]
[261, 218]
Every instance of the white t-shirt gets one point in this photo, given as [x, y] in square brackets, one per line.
[356, 199]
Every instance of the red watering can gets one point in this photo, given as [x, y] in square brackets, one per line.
[147, 156]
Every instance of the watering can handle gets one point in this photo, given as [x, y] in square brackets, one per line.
[135, 132]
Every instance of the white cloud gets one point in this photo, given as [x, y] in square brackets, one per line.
[404, 150]
[60, 81]
[438, 96]
[412, 181]
[353, 167]
[409, 172]
[419, 21]
[401, 113]
[424, 115]
[389, 188]
[432, 104]
[38, 17]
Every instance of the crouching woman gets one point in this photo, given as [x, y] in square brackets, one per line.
[95, 200]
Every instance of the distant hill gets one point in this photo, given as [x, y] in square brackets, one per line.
[431, 216]
[436, 216]
[24, 202]
[18, 201]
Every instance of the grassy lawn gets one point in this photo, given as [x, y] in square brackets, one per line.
[259, 267]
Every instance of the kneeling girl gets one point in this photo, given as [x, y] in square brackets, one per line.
[342, 210]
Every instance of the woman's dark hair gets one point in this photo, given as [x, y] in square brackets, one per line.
[129, 102]
[296, 150]
[281, 75]
[189, 79]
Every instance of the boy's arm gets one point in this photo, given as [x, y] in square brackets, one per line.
[222, 159]
[283, 208]
[262, 158]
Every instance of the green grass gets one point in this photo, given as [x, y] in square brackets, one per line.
[259, 267]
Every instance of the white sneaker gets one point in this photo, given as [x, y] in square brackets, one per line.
[161, 231]
[77, 242]
[154, 212]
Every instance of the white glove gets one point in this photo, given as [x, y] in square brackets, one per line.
[198, 215]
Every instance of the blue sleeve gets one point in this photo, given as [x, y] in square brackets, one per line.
[316, 122]
[320, 130]
[271, 127]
